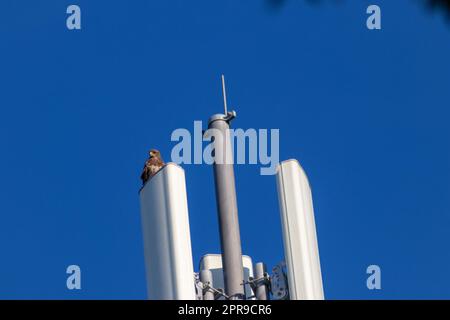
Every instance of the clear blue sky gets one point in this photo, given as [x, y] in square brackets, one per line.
[365, 112]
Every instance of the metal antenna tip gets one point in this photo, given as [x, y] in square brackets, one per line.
[224, 92]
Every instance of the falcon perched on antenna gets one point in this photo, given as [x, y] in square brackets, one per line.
[152, 165]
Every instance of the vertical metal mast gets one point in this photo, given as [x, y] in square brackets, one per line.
[227, 204]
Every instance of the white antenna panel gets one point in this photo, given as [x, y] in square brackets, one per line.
[299, 232]
[167, 239]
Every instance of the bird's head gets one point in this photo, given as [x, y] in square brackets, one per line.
[154, 153]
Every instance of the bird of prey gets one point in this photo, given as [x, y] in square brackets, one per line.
[152, 165]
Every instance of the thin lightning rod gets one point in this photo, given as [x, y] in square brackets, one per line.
[224, 95]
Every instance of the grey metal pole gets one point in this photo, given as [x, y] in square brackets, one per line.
[227, 207]
[261, 291]
[206, 279]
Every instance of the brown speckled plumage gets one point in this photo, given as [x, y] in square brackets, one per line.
[152, 165]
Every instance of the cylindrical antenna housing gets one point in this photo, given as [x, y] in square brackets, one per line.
[261, 289]
[207, 280]
[227, 205]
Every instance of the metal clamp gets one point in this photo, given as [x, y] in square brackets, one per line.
[279, 283]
